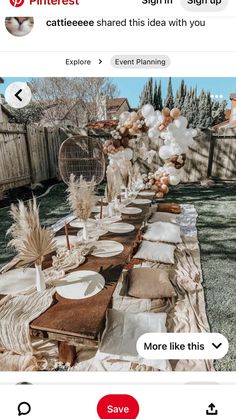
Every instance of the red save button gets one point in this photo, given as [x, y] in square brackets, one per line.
[115, 406]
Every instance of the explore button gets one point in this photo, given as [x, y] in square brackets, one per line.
[118, 406]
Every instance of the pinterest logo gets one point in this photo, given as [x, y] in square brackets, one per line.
[17, 3]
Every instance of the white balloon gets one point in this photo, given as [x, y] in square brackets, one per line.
[194, 132]
[170, 169]
[128, 154]
[181, 122]
[124, 116]
[158, 114]
[174, 180]
[172, 128]
[161, 118]
[152, 120]
[147, 110]
[153, 133]
[165, 152]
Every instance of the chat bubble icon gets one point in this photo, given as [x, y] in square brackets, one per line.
[24, 408]
[204, 5]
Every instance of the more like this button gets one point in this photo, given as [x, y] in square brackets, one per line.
[116, 406]
[182, 346]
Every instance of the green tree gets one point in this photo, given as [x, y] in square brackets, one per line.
[180, 95]
[31, 113]
[147, 94]
[158, 103]
[169, 101]
[218, 112]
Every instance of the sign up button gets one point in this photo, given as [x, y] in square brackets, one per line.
[140, 61]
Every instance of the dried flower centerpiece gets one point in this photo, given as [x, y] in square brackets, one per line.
[114, 184]
[31, 241]
[82, 199]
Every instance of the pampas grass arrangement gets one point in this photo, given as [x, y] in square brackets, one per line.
[31, 241]
[82, 199]
[114, 183]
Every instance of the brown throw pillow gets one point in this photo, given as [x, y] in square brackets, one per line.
[149, 283]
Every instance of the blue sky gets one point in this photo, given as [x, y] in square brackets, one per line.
[131, 87]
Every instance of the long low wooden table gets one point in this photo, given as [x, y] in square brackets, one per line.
[75, 323]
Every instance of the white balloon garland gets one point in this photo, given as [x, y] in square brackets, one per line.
[168, 125]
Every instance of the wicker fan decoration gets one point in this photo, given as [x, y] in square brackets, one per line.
[82, 156]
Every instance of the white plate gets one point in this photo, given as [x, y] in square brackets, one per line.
[17, 280]
[61, 241]
[79, 224]
[146, 193]
[110, 220]
[97, 209]
[80, 285]
[131, 210]
[107, 248]
[141, 201]
[121, 228]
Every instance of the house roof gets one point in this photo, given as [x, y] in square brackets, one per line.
[115, 104]
[233, 96]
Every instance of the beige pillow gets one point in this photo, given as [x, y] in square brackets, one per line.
[165, 217]
[156, 252]
[149, 283]
[163, 232]
[122, 331]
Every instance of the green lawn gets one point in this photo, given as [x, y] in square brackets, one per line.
[216, 207]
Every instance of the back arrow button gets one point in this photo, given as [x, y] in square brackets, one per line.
[17, 95]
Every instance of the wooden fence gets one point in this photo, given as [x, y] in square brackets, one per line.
[30, 154]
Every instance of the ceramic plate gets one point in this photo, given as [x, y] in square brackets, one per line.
[80, 284]
[146, 193]
[110, 220]
[79, 224]
[131, 210]
[121, 228]
[141, 201]
[17, 280]
[107, 248]
[97, 209]
[61, 240]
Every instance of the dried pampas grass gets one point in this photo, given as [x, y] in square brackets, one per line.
[114, 182]
[81, 196]
[125, 171]
[31, 241]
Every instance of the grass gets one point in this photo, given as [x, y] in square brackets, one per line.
[216, 208]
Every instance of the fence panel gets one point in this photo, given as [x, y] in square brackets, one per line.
[14, 163]
[224, 161]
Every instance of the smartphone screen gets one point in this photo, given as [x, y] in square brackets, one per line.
[117, 209]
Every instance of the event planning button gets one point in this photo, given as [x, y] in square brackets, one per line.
[118, 406]
[140, 61]
[182, 346]
[18, 95]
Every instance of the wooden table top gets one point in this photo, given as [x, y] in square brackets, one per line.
[85, 318]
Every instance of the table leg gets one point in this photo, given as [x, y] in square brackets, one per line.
[67, 353]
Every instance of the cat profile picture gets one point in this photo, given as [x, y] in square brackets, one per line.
[19, 26]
